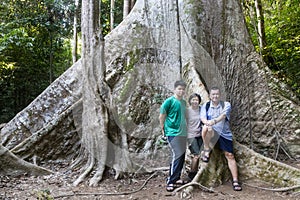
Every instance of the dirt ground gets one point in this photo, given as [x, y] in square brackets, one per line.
[141, 187]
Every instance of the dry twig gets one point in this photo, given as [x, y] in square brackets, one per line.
[108, 193]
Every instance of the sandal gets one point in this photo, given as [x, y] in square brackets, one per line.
[170, 187]
[236, 186]
[181, 182]
[205, 158]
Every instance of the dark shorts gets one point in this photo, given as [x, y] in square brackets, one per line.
[225, 145]
[195, 145]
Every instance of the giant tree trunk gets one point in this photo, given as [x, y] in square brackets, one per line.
[113, 107]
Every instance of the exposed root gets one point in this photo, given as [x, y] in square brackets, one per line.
[89, 168]
[284, 189]
[159, 169]
[80, 158]
[108, 193]
[151, 170]
[189, 187]
[10, 164]
[192, 184]
[2, 125]
[98, 176]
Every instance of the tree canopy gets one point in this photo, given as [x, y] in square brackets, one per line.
[34, 48]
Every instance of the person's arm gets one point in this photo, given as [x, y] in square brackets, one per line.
[162, 118]
[204, 120]
[225, 113]
[218, 119]
[203, 116]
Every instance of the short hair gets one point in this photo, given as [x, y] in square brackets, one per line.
[194, 95]
[215, 88]
[180, 83]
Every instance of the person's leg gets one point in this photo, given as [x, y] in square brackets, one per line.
[178, 147]
[234, 170]
[194, 167]
[227, 146]
[207, 134]
[195, 163]
[232, 165]
[195, 144]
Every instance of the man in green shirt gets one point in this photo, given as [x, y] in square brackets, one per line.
[173, 124]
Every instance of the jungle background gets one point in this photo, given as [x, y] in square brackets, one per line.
[40, 42]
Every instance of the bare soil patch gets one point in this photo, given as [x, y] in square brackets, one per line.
[139, 187]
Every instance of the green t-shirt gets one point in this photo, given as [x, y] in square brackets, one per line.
[175, 123]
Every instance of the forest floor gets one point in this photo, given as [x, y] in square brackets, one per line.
[139, 187]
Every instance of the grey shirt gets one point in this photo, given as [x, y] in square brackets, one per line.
[193, 122]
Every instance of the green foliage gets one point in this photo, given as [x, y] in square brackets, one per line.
[283, 36]
[282, 28]
[35, 47]
[44, 195]
[6, 90]
[105, 15]
[34, 43]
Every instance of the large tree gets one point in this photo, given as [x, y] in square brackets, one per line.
[104, 109]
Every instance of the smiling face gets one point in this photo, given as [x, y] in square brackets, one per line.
[179, 91]
[194, 102]
[215, 96]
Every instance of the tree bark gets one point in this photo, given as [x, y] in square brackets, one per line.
[132, 2]
[95, 116]
[75, 36]
[126, 8]
[251, 164]
[14, 166]
[260, 25]
[112, 14]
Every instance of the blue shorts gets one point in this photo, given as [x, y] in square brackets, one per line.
[195, 145]
[225, 145]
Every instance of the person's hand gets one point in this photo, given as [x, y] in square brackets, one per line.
[210, 122]
[163, 132]
[163, 140]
